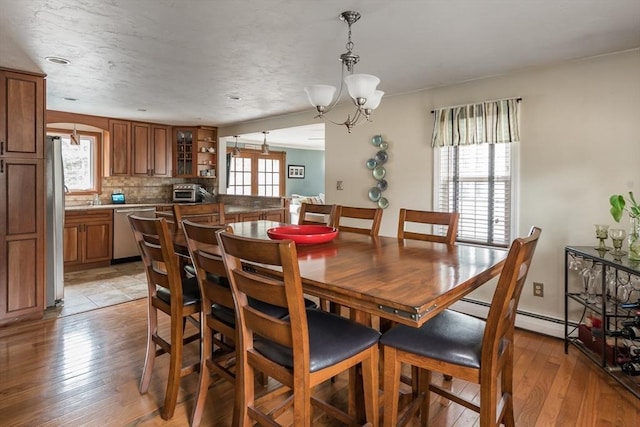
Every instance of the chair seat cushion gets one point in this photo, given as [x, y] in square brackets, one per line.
[190, 292]
[450, 336]
[332, 339]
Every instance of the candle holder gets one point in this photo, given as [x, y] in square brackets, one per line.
[602, 233]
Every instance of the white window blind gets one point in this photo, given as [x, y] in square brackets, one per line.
[475, 180]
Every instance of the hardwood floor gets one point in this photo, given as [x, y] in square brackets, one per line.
[84, 369]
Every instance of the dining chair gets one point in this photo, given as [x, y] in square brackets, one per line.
[210, 213]
[448, 219]
[218, 320]
[465, 347]
[167, 293]
[301, 350]
[319, 214]
[370, 218]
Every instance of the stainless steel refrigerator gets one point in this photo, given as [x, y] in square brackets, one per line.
[55, 220]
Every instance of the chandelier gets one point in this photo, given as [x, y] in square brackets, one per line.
[361, 87]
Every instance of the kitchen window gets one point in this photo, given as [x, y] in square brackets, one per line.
[255, 174]
[81, 162]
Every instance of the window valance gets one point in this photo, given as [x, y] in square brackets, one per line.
[486, 122]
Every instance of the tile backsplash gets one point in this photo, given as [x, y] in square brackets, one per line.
[135, 189]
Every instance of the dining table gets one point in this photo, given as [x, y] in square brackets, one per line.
[401, 280]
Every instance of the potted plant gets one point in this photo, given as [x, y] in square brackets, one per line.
[618, 206]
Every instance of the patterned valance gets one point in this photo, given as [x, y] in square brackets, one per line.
[486, 122]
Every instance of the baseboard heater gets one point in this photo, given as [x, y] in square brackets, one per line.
[524, 320]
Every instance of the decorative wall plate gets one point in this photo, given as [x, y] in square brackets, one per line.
[381, 157]
[376, 140]
[371, 163]
[374, 194]
[379, 172]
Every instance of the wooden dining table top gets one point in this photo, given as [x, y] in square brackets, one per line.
[408, 281]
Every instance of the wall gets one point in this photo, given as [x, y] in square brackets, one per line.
[313, 162]
[579, 145]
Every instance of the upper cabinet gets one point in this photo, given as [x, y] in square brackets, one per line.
[119, 147]
[183, 149]
[195, 151]
[22, 118]
[207, 156]
[150, 150]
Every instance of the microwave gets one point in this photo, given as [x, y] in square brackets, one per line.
[186, 193]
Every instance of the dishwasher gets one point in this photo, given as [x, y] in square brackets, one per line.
[124, 244]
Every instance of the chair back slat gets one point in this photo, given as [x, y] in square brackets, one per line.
[372, 217]
[328, 213]
[449, 219]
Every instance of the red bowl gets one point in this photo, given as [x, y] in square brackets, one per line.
[303, 234]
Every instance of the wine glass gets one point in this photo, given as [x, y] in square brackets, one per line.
[617, 237]
[602, 233]
[588, 284]
[624, 291]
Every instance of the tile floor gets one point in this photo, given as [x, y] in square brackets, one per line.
[101, 287]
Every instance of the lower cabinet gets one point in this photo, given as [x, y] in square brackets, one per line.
[88, 239]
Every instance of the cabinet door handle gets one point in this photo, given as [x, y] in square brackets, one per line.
[1, 148]
[1, 166]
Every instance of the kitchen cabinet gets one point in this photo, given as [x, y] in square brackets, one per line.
[88, 238]
[195, 152]
[607, 313]
[150, 150]
[278, 215]
[22, 196]
[119, 147]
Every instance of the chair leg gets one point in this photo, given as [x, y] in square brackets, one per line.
[507, 389]
[150, 358]
[424, 379]
[175, 366]
[488, 403]
[370, 381]
[245, 394]
[391, 386]
[205, 375]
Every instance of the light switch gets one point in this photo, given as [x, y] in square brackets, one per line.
[339, 185]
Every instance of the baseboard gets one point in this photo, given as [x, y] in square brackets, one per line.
[524, 320]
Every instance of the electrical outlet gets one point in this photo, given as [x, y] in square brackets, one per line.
[339, 185]
[538, 289]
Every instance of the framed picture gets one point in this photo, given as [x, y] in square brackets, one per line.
[295, 171]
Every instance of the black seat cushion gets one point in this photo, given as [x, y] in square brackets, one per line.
[450, 336]
[332, 339]
[190, 292]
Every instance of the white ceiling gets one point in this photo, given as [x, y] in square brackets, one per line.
[180, 60]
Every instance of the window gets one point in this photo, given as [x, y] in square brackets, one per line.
[253, 173]
[81, 162]
[476, 181]
[476, 150]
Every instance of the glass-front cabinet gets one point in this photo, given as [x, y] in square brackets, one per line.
[184, 151]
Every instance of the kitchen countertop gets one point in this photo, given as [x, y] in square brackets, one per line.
[228, 209]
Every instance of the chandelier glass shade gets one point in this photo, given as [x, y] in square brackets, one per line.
[362, 88]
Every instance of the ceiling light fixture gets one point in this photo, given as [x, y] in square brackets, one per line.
[265, 146]
[236, 151]
[361, 87]
[75, 137]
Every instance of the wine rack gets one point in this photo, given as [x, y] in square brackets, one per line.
[607, 311]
